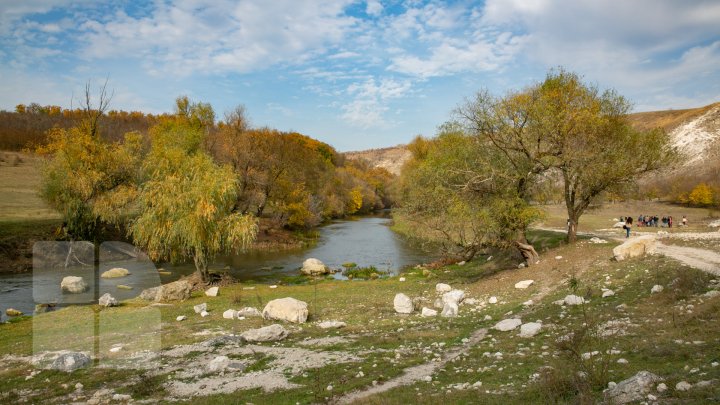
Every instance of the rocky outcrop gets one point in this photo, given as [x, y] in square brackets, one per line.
[286, 309]
[73, 285]
[314, 267]
[267, 334]
[633, 389]
[635, 247]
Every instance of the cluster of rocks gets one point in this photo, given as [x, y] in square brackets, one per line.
[448, 302]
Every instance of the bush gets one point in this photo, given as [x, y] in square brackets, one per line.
[364, 272]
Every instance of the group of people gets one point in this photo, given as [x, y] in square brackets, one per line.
[650, 220]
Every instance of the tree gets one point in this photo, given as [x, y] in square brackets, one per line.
[462, 195]
[701, 195]
[186, 203]
[563, 126]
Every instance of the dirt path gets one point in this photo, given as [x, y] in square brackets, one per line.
[702, 259]
[415, 373]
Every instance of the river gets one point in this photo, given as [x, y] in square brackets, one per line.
[366, 241]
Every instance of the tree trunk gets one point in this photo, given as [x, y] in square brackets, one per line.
[527, 250]
[201, 267]
[572, 228]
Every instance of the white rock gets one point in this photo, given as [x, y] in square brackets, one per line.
[115, 272]
[313, 267]
[329, 388]
[442, 288]
[121, 397]
[524, 284]
[661, 387]
[331, 325]
[507, 324]
[402, 304]
[200, 307]
[181, 318]
[683, 386]
[450, 310]
[454, 297]
[530, 329]
[521, 266]
[635, 247]
[70, 362]
[715, 224]
[657, 288]
[402, 279]
[573, 300]
[249, 312]
[622, 361]
[651, 397]
[529, 303]
[428, 312]
[427, 378]
[273, 286]
[558, 257]
[487, 318]
[462, 263]
[115, 349]
[633, 389]
[73, 285]
[619, 224]
[598, 240]
[608, 293]
[212, 291]
[286, 309]
[107, 300]
[267, 334]
[493, 300]
[204, 313]
[218, 364]
[230, 314]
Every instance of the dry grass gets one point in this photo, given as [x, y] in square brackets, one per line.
[19, 185]
[668, 119]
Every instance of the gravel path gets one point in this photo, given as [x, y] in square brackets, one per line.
[702, 259]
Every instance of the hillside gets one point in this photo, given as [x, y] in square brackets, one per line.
[695, 132]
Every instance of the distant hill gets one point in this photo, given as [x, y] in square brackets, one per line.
[695, 132]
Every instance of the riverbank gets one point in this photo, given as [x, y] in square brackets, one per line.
[380, 356]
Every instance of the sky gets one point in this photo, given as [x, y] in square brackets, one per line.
[355, 74]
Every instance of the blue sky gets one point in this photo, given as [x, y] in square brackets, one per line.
[355, 74]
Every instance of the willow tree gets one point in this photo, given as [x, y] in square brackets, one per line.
[565, 127]
[185, 204]
[462, 195]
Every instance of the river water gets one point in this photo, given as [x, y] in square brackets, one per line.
[366, 241]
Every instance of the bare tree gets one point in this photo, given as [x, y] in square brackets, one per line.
[93, 113]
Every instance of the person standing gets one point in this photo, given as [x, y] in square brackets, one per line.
[670, 222]
[627, 226]
[684, 221]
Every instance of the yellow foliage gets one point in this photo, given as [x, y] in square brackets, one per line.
[702, 194]
[356, 200]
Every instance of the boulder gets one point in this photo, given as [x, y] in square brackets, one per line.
[454, 297]
[267, 334]
[212, 291]
[635, 388]
[115, 272]
[200, 308]
[218, 364]
[427, 312]
[175, 291]
[249, 312]
[70, 362]
[635, 247]
[331, 325]
[507, 324]
[442, 288]
[286, 309]
[403, 304]
[530, 329]
[524, 284]
[230, 314]
[107, 300]
[13, 312]
[73, 285]
[314, 267]
[573, 300]
[450, 310]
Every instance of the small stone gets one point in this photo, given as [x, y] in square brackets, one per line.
[249, 312]
[70, 362]
[608, 293]
[427, 378]
[402, 279]
[124, 287]
[116, 272]
[212, 291]
[661, 387]
[524, 284]
[273, 286]
[230, 314]
[331, 325]
[427, 312]
[530, 329]
[558, 257]
[487, 318]
[493, 300]
[218, 364]
[450, 310]
[657, 288]
[200, 308]
[528, 303]
[521, 266]
[13, 312]
[683, 386]
[121, 397]
[454, 297]
[651, 397]
[107, 300]
[403, 304]
[181, 318]
[204, 314]
[115, 349]
[507, 324]
[73, 285]
[622, 361]
[462, 263]
[573, 300]
[329, 388]
[267, 334]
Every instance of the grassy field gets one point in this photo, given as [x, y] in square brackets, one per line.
[19, 185]
[673, 334]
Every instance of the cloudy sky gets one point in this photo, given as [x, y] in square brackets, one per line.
[355, 74]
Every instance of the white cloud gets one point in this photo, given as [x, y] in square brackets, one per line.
[374, 8]
[371, 99]
[210, 36]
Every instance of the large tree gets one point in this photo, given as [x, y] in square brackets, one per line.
[186, 203]
[567, 128]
